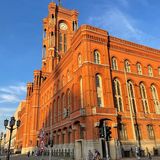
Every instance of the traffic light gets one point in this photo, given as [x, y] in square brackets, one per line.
[101, 132]
[108, 133]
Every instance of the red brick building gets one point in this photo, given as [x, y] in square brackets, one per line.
[88, 75]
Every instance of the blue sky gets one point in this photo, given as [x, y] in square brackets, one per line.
[21, 36]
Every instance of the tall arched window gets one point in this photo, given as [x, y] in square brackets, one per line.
[79, 60]
[127, 66]
[114, 63]
[65, 43]
[99, 90]
[132, 101]
[139, 68]
[81, 92]
[54, 113]
[59, 109]
[155, 99]
[64, 106]
[63, 33]
[118, 95]
[97, 57]
[60, 42]
[144, 98]
[150, 71]
[69, 101]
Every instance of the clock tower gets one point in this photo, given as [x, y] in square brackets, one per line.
[58, 29]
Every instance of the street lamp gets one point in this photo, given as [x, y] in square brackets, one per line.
[1, 137]
[11, 128]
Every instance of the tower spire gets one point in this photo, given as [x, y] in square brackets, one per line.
[60, 4]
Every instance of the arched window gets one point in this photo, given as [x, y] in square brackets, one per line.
[150, 71]
[139, 68]
[50, 115]
[155, 99]
[64, 105]
[79, 60]
[54, 113]
[59, 109]
[65, 43]
[132, 101]
[60, 42]
[63, 33]
[144, 98]
[81, 92]
[127, 66]
[99, 90]
[118, 95]
[114, 63]
[97, 57]
[69, 101]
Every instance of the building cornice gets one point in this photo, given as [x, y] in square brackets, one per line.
[134, 45]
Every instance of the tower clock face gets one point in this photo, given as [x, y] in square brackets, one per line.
[63, 26]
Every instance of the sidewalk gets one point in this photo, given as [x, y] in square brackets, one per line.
[142, 158]
[24, 157]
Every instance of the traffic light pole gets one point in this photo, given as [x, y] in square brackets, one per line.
[106, 142]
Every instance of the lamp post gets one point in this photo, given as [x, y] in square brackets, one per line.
[10, 127]
[1, 137]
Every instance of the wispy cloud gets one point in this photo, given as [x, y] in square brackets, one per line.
[10, 96]
[116, 17]
[13, 93]
[117, 23]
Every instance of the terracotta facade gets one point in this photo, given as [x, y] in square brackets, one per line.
[88, 75]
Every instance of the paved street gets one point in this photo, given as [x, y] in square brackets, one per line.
[24, 157]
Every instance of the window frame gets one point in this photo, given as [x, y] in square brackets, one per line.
[127, 66]
[139, 69]
[118, 95]
[150, 71]
[114, 63]
[99, 90]
[131, 96]
[155, 98]
[97, 57]
[144, 98]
